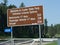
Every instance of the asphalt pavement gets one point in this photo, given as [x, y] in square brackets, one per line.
[24, 42]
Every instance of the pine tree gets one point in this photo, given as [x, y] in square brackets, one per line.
[45, 27]
[22, 5]
[5, 2]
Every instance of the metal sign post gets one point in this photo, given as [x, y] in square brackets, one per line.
[12, 41]
[40, 34]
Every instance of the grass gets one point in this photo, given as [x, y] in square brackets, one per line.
[53, 43]
[4, 37]
[57, 35]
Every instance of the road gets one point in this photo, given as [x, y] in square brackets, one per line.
[18, 42]
[24, 42]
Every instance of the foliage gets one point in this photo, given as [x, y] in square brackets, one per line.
[11, 6]
[54, 31]
[22, 5]
[51, 31]
[45, 27]
[5, 2]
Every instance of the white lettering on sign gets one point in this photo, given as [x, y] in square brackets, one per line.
[25, 16]
[12, 23]
[39, 21]
[33, 12]
[39, 17]
[22, 19]
[14, 17]
[25, 12]
[13, 20]
[39, 14]
[16, 13]
[24, 9]
[32, 18]
[31, 8]
[36, 8]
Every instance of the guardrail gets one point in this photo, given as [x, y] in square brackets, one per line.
[5, 42]
[30, 41]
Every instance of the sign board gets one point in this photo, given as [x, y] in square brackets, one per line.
[25, 16]
[7, 30]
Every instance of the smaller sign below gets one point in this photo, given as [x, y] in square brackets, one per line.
[7, 30]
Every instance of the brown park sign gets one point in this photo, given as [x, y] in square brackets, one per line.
[25, 16]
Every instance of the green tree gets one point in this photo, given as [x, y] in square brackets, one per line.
[22, 5]
[42, 30]
[11, 6]
[57, 30]
[5, 2]
[51, 31]
[45, 27]
[57, 27]
[3, 17]
[3, 14]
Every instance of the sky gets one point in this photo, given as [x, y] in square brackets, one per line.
[51, 8]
